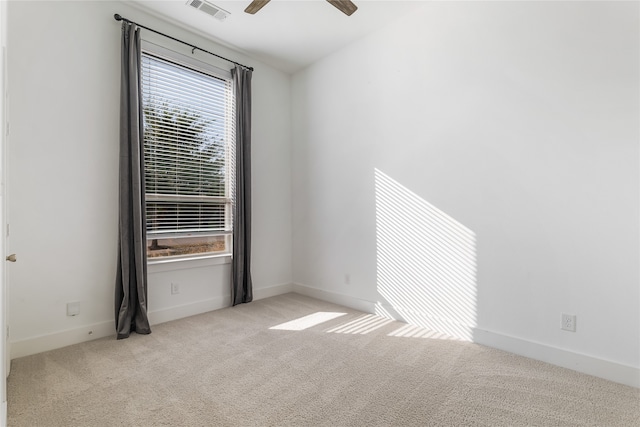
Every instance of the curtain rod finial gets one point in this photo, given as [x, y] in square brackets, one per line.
[117, 17]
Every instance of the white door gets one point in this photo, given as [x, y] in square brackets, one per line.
[4, 355]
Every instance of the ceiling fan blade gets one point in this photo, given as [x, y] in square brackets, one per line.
[255, 6]
[345, 6]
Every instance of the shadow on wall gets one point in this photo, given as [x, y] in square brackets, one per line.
[426, 263]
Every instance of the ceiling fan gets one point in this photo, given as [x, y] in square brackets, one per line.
[345, 6]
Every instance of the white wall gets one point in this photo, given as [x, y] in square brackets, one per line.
[64, 68]
[498, 141]
[496, 144]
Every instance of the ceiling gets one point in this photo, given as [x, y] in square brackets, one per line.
[286, 34]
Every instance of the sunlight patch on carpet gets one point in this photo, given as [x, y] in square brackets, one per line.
[413, 331]
[361, 325]
[309, 321]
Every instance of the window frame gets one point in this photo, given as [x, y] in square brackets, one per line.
[164, 263]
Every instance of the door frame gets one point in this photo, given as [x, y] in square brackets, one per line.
[4, 344]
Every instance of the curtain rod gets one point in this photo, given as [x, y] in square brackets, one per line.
[117, 17]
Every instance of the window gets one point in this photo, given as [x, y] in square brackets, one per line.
[188, 136]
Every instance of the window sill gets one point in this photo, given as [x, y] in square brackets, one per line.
[161, 265]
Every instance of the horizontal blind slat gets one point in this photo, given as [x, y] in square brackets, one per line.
[188, 126]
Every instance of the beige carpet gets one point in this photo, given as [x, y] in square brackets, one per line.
[229, 368]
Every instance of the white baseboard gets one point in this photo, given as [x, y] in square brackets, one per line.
[191, 309]
[609, 370]
[199, 307]
[335, 298]
[606, 369]
[612, 371]
[39, 344]
[3, 414]
[272, 291]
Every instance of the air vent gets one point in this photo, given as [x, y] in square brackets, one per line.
[209, 9]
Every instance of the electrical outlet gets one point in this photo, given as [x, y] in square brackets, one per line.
[73, 308]
[175, 288]
[568, 322]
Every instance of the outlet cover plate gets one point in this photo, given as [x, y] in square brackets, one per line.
[175, 288]
[568, 322]
[73, 308]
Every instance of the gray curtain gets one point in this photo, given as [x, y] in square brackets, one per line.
[131, 280]
[241, 288]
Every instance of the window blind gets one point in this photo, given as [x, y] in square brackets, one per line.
[188, 129]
